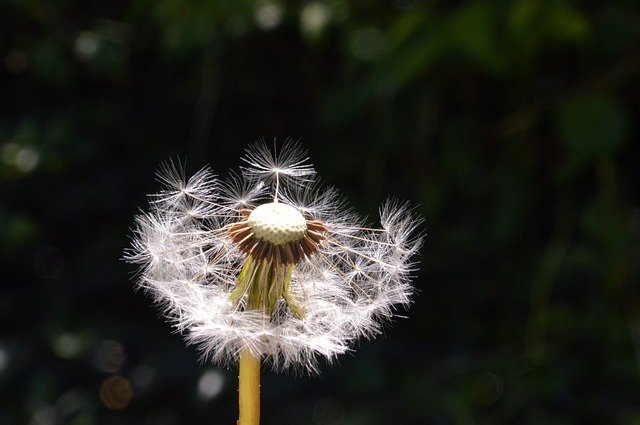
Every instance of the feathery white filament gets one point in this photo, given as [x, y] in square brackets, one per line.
[347, 286]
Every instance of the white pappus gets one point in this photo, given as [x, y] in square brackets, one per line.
[271, 262]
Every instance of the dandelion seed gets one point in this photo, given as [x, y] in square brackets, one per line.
[271, 264]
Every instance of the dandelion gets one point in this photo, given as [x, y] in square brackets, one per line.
[269, 266]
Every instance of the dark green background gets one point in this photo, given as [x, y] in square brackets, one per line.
[512, 125]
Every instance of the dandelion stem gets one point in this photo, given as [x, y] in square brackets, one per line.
[249, 389]
[253, 279]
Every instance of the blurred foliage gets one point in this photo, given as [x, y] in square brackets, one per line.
[511, 124]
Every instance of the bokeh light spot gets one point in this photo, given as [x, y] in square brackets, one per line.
[368, 44]
[67, 345]
[44, 416]
[4, 359]
[210, 384]
[314, 17]
[27, 159]
[268, 16]
[23, 158]
[143, 376]
[86, 45]
[116, 392]
[69, 403]
[9, 152]
[109, 356]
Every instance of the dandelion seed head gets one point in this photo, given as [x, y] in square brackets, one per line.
[270, 261]
[277, 223]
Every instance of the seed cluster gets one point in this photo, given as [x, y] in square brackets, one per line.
[278, 233]
[277, 223]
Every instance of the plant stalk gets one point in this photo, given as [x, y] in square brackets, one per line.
[249, 389]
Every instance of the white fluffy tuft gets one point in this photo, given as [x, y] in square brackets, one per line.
[347, 289]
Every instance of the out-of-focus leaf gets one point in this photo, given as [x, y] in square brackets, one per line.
[565, 24]
[16, 230]
[405, 26]
[592, 125]
[472, 32]
[468, 33]
[618, 33]
[188, 26]
[533, 25]
[51, 64]
[548, 22]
